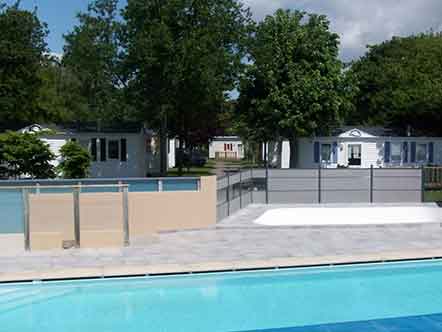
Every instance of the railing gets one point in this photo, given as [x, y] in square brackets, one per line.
[227, 155]
[316, 186]
[135, 184]
[433, 178]
[76, 190]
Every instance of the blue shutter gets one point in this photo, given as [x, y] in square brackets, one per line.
[405, 152]
[387, 152]
[413, 152]
[317, 152]
[335, 153]
[431, 152]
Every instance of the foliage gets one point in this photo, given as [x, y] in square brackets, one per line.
[400, 84]
[75, 161]
[182, 57]
[91, 57]
[25, 155]
[22, 49]
[294, 84]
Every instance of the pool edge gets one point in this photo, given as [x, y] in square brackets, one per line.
[107, 272]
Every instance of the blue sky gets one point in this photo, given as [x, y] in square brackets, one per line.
[358, 22]
[58, 14]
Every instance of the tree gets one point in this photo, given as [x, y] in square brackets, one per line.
[183, 56]
[294, 84]
[400, 84]
[22, 50]
[91, 56]
[76, 161]
[25, 155]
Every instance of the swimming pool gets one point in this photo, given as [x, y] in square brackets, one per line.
[352, 215]
[377, 297]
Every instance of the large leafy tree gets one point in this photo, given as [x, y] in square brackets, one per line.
[25, 155]
[183, 56]
[400, 84]
[22, 51]
[91, 57]
[294, 85]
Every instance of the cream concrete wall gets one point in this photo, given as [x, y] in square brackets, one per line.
[51, 220]
[101, 216]
[170, 211]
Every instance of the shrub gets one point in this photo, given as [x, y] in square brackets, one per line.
[24, 154]
[75, 161]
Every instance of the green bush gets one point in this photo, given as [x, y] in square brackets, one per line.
[75, 161]
[25, 155]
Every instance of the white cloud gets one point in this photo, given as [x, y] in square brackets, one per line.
[363, 22]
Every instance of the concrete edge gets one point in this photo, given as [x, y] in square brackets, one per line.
[152, 270]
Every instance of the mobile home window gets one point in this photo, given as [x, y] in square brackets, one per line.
[326, 151]
[114, 149]
[421, 152]
[396, 152]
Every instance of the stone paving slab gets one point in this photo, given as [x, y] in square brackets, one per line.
[231, 246]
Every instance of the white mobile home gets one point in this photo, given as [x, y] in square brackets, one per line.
[114, 154]
[360, 148]
[226, 147]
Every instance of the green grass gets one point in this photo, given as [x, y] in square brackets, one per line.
[207, 169]
[433, 196]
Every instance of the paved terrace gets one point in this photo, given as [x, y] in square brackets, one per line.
[235, 243]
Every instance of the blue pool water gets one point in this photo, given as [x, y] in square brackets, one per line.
[388, 297]
[11, 212]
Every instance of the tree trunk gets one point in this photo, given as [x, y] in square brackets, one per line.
[279, 154]
[293, 153]
[163, 146]
[180, 156]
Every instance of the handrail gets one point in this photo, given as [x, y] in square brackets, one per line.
[104, 179]
[77, 186]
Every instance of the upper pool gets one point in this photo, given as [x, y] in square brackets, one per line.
[329, 215]
[384, 297]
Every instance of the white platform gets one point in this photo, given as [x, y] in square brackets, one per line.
[364, 215]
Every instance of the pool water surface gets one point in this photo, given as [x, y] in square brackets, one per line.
[375, 297]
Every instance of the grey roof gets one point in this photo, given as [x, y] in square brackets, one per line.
[375, 131]
[226, 138]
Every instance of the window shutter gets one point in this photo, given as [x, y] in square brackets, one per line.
[413, 152]
[431, 152]
[103, 156]
[405, 152]
[316, 152]
[387, 152]
[335, 153]
[123, 151]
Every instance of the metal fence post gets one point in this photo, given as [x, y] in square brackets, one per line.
[240, 188]
[228, 194]
[126, 216]
[76, 194]
[422, 184]
[319, 184]
[371, 183]
[26, 217]
[267, 182]
[252, 184]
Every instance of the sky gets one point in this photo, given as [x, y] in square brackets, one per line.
[358, 22]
